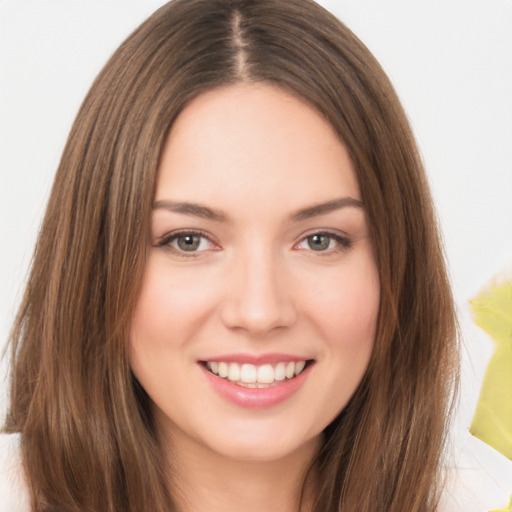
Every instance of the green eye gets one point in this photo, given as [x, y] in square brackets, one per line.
[319, 242]
[324, 242]
[188, 242]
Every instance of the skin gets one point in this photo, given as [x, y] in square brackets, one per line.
[254, 285]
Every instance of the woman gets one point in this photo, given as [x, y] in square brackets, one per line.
[238, 297]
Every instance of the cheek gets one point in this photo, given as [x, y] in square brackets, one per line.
[345, 305]
[351, 336]
[169, 302]
[340, 315]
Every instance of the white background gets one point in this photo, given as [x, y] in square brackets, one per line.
[450, 61]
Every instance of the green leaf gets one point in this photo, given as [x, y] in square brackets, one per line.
[493, 312]
[492, 422]
[508, 508]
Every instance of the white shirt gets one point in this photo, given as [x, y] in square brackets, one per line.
[13, 492]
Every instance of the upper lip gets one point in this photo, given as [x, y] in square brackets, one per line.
[255, 359]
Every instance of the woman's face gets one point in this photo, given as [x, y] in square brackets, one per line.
[261, 268]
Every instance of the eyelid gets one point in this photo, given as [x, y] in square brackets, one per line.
[165, 241]
[342, 239]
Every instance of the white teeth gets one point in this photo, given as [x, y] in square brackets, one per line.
[265, 374]
[234, 372]
[213, 366]
[299, 366]
[248, 373]
[252, 376]
[223, 370]
[280, 371]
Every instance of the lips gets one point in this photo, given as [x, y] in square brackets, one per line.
[256, 382]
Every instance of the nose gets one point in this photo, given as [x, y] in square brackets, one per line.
[258, 298]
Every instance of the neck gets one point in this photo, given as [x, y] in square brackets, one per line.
[209, 481]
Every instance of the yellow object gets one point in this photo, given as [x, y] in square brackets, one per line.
[505, 509]
[492, 422]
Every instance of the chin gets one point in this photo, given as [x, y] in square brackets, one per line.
[263, 446]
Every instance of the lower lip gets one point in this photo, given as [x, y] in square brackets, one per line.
[256, 398]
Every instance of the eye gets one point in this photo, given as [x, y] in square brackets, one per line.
[187, 242]
[324, 242]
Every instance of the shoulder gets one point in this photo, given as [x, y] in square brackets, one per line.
[13, 492]
[480, 479]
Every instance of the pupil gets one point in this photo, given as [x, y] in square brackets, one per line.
[188, 242]
[318, 242]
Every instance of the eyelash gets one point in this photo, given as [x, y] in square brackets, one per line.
[342, 243]
[166, 241]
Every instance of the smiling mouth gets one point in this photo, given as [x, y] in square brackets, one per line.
[257, 376]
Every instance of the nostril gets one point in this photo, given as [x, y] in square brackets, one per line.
[256, 297]
[258, 317]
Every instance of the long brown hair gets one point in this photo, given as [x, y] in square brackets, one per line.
[88, 439]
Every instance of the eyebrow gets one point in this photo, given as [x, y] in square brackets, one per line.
[195, 209]
[206, 212]
[323, 208]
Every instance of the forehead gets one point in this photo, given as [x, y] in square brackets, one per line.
[239, 143]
